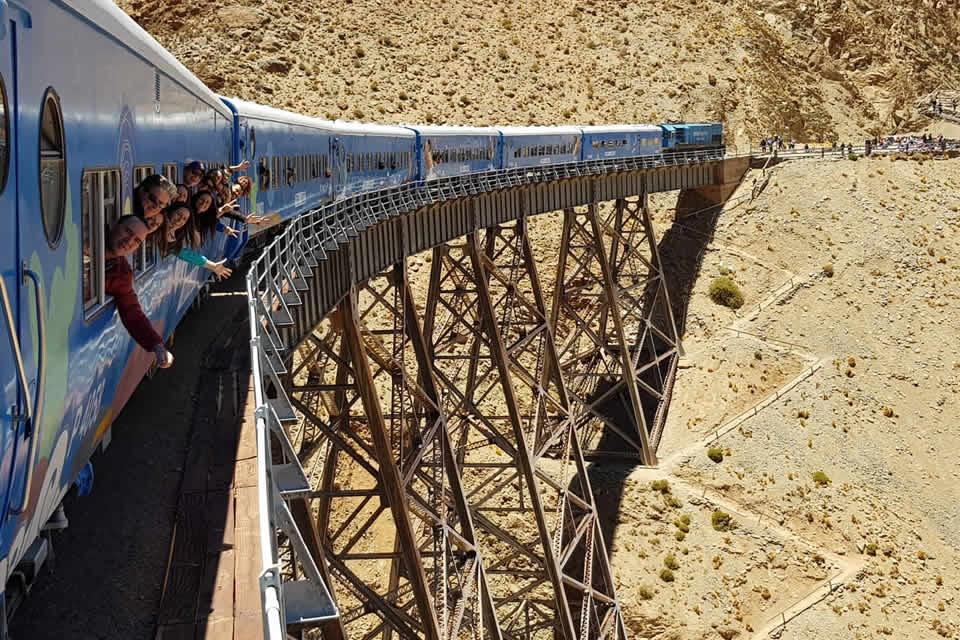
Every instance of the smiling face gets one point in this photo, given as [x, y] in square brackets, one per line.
[182, 193]
[177, 218]
[154, 201]
[204, 202]
[153, 223]
[127, 236]
[192, 177]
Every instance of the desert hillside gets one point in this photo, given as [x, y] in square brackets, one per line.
[808, 69]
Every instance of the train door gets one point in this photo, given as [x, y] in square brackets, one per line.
[12, 373]
[41, 216]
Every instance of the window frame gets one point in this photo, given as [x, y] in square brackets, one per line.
[98, 221]
[53, 239]
[171, 171]
[5, 169]
[148, 250]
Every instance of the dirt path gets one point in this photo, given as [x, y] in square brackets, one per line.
[108, 573]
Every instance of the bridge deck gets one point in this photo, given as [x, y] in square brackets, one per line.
[211, 588]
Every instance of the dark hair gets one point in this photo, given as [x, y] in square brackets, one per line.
[205, 222]
[127, 218]
[244, 180]
[185, 236]
[151, 182]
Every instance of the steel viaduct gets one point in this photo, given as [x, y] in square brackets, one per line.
[422, 442]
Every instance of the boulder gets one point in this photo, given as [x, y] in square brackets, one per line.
[274, 65]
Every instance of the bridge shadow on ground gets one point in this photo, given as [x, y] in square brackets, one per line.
[682, 248]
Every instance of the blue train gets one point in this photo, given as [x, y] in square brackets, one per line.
[75, 139]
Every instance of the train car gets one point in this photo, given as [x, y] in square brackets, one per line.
[289, 157]
[370, 157]
[538, 146]
[91, 104]
[692, 136]
[446, 152]
[620, 141]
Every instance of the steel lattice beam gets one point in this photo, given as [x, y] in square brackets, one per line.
[449, 495]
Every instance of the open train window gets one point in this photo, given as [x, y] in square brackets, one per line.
[253, 143]
[263, 170]
[146, 256]
[53, 168]
[4, 136]
[170, 172]
[100, 206]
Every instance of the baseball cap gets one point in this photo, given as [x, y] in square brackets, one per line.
[196, 165]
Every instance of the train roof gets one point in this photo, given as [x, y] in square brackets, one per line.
[109, 18]
[453, 130]
[370, 128]
[620, 128]
[539, 131]
[672, 126]
[247, 109]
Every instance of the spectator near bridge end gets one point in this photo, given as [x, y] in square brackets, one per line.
[123, 238]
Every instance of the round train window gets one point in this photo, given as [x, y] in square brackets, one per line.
[4, 137]
[53, 168]
[253, 143]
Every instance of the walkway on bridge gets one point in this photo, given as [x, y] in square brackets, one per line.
[211, 589]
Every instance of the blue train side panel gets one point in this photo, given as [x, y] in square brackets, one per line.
[539, 146]
[136, 109]
[620, 141]
[446, 152]
[692, 135]
[289, 157]
[369, 157]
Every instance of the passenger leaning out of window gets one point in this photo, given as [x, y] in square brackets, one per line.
[193, 173]
[151, 197]
[124, 237]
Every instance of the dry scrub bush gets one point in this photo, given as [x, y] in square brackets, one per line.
[715, 454]
[722, 521]
[828, 270]
[663, 486]
[820, 479]
[725, 291]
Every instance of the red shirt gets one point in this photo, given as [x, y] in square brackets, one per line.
[118, 282]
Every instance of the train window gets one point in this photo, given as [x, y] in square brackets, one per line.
[4, 137]
[170, 172]
[277, 173]
[100, 191]
[140, 172]
[53, 168]
[92, 241]
[253, 143]
[264, 172]
[381, 161]
[145, 256]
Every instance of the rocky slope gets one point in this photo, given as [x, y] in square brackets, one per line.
[809, 69]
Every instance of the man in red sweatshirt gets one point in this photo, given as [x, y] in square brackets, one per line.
[123, 238]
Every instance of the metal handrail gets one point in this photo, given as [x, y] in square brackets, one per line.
[34, 421]
[15, 346]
